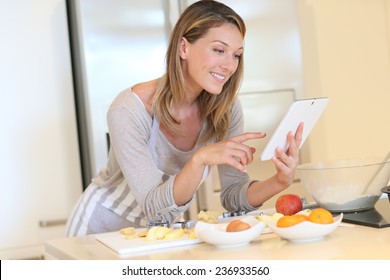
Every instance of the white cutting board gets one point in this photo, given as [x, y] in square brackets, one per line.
[122, 246]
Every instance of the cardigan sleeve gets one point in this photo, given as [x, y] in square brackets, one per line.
[234, 183]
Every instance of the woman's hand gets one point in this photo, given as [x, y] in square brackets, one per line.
[286, 163]
[232, 151]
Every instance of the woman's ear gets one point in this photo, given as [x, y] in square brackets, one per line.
[183, 48]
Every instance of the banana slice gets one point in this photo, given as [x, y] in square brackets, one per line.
[190, 233]
[210, 217]
[264, 218]
[277, 216]
[157, 232]
[305, 212]
[174, 234]
[127, 231]
[142, 234]
[268, 218]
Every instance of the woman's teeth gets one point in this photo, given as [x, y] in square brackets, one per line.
[219, 77]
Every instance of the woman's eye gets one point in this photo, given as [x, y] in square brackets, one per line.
[237, 56]
[219, 51]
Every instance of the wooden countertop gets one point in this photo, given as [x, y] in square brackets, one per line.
[352, 242]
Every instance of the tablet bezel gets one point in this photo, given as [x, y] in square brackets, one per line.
[307, 111]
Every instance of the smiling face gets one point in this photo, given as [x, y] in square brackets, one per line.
[210, 61]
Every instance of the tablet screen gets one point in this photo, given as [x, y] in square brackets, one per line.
[307, 111]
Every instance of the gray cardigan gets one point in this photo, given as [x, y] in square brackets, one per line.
[137, 183]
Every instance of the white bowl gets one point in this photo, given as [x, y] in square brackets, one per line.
[216, 234]
[306, 231]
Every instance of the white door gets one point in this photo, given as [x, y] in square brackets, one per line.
[39, 165]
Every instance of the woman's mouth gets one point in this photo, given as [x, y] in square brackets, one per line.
[218, 76]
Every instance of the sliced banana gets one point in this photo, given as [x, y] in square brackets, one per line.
[264, 218]
[142, 234]
[130, 236]
[270, 218]
[210, 217]
[190, 233]
[174, 234]
[127, 231]
[276, 216]
[157, 232]
[305, 212]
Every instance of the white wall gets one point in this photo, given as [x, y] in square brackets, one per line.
[346, 55]
[39, 165]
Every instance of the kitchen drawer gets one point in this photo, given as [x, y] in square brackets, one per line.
[35, 251]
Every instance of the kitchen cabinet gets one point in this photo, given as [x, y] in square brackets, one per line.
[40, 166]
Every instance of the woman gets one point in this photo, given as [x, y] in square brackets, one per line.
[166, 133]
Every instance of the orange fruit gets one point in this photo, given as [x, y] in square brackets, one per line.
[237, 225]
[288, 221]
[320, 216]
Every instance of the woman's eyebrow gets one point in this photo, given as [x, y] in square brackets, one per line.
[226, 44]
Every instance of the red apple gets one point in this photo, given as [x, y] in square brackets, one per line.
[288, 204]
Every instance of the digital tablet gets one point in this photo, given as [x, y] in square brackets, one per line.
[307, 111]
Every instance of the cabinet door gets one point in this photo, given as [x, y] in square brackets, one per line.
[40, 167]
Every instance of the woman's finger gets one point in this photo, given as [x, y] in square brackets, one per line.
[243, 153]
[248, 136]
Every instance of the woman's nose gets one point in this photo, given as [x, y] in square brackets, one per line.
[230, 64]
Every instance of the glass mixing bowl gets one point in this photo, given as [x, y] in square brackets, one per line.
[346, 185]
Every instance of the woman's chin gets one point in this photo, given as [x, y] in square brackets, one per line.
[214, 90]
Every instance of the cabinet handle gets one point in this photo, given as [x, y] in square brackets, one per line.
[52, 223]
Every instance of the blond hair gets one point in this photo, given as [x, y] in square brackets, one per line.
[193, 24]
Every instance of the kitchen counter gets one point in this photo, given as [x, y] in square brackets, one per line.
[348, 241]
